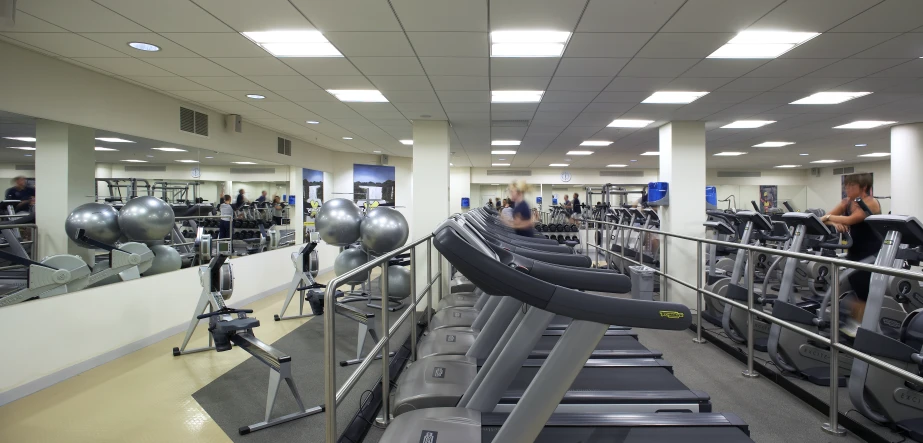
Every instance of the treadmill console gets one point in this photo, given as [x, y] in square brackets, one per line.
[760, 221]
[811, 223]
[910, 228]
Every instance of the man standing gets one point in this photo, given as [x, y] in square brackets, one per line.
[22, 192]
[261, 198]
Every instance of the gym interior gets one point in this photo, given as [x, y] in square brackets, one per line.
[457, 221]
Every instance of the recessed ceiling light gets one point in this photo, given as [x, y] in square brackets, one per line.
[22, 139]
[147, 47]
[762, 44]
[628, 123]
[876, 154]
[676, 97]
[21, 148]
[804, 155]
[864, 124]
[27, 155]
[376, 152]
[100, 148]
[135, 161]
[516, 96]
[495, 184]
[450, 164]
[209, 157]
[499, 164]
[244, 163]
[113, 140]
[773, 144]
[826, 161]
[617, 166]
[527, 43]
[503, 152]
[651, 153]
[406, 142]
[347, 138]
[861, 145]
[748, 124]
[596, 143]
[169, 149]
[632, 160]
[788, 166]
[505, 143]
[729, 154]
[150, 156]
[294, 43]
[256, 96]
[358, 95]
[188, 161]
[580, 153]
[559, 165]
[828, 98]
[312, 122]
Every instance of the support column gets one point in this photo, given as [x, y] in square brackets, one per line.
[682, 165]
[296, 213]
[65, 172]
[430, 186]
[906, 164]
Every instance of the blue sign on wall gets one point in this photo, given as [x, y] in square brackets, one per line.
[538, 200]
[466, 202]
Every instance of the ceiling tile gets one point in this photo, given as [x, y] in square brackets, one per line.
[810, 85]
[372, 107]
[170, 83]
[513, 107]
[341, 81]
[217, 44]
[558, 118]
[568, 96]
[417, 109]
[308, 95]
[191, 67]
[208, 96]
[907, 46]
[468, 117]
[283, 82]
[718, 15]
[647, 84]
[464, 96]
[255, 65]
[226, 83]
[322, 66]
[125, 66]
[562, 107]
[754, 84]
[66, 45]
[779, 98]
[876, 84]
[459, 83]
[79, 16]
[813, 15]
[644, 67]
[467, 107]
[349, 15]
[560, 15]
[696, 84]
[519, 83]
[620, 96]
[787, 67]
[441, 15]
[726, 97]
[285, 109]
[264, 15]
[559, 83]
[856, 67]
[427, 96]
[684, 45]
[913, 68]
[723, 68]
[167, 15]
[523, 67]
[381, 44]
[887, 16]
[234, 107]
[119, 41]
[450, 44]
[388, 65]
[330, 109]
[627, 15]
[401, 82]
[613, 109]
[838, 45]
[28, 23]
[591, 67]
[455, 65]
[610, 44]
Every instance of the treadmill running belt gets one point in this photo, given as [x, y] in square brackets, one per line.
[630, 435]
[610, 379]
[611, 346]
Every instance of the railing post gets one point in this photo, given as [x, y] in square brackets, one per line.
[749, 372]
[385, 418]
[698, 295]
[330, 376]
[413, 304]
[832, 426]
[429, 281]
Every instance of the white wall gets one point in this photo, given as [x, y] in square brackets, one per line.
[459, 187]
[553, 176]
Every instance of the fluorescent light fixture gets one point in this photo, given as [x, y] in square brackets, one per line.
[244, 163]
[209, 157]
[828, 98]
[256, 96]
[596, 143]
[149, 156]
[451, 164]
[632, 160]
[516, 96]
[580, 153]
[27, 155]
[527, 43]
[100, 148]
[651, 153]
[22, 139]
[864, 124]
[188, 161]
[294, 43]
[112, 140]
[676, 97]
[406, 142]
[358, 95]
[876, 154]
[499, 164]
[169, 149]
[616, 166]
[21, 148]
[347, 138]
[503, 152]
[773, 144]
[559, 165]
[505, 143]
[788, 166]
[804, 155]
[135, 161]
[629, 123]
[146, 47]
[861, 145]
[748, 124]
[376, 152]
[762, 44]
[312, 122]
[729, 154]
[826, 161]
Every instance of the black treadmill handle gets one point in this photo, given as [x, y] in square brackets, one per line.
[756, 207]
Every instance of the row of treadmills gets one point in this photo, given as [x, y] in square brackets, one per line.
[524, 349]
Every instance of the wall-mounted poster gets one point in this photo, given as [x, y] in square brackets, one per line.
[843, 184]
[373, 183]
[769, 196]
[313, 182]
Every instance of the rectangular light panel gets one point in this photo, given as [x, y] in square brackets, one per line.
[762, 44]
[503, 152]
[406, 142]
[675, 97]
[827, 161]
[516, 96]
[294, 43]
[729, 154]
[559, 165]
[864, 124]
[22, 139]
[244, 163]
[188, 161]
[628, 123]
[596, 143]
[527, 43]
[169, 149]
[358, 95]
[100, 148]
[505, 143]
[748, 124]
[499, 164]
[21, 148]
[112, 140]
[773, 144]
[134, 161]
[616, 166]
[579, 152]
[651, 153]
[788, 166]
[828, 98]
[876, 154]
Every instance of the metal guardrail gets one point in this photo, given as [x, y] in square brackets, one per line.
[332, 396]
[832, 425]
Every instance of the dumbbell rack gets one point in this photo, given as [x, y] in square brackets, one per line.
[559, 231]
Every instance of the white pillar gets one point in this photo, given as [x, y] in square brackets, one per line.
[430, 187]
[296, 213]
[682, 165]
[65, 168]
[906, 164]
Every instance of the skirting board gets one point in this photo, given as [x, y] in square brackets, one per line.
[68, 372]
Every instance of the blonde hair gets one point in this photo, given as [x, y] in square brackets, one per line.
[520, 186]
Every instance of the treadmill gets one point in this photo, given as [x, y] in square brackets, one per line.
[533, 418]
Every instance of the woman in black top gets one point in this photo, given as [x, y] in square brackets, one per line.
[847, 216]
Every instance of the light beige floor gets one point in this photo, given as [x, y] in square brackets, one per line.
[145, 396]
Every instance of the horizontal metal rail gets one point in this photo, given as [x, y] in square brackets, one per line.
[196, 217]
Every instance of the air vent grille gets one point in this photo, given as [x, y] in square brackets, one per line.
[25, 167]
[521, 173]
[509, 123]
[739, 174]
[284, 147]
[621, 173]
[144, 168]
[846, 170]
[193, 122]
[253, 170]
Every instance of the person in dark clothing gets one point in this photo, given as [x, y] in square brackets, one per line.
[227, 215]
[578, 211]
[20, 191]
[262, 198]
[241, 199]
[499, 205]
[847, 216]
[522, 214]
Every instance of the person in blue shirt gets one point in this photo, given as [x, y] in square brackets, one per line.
[522, 214]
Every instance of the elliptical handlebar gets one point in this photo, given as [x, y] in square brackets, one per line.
[224, 311]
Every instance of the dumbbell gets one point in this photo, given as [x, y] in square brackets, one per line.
[540, 227]
[236, 235]
[573, 228]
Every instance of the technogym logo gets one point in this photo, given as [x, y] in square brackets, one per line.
[428, 436]
[672, 314]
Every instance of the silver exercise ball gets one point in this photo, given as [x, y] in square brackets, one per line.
[383, 230]
[348, 260]
[166, 259]
[100, 221]
[145, 219]
[398, 282]
[338, 222]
